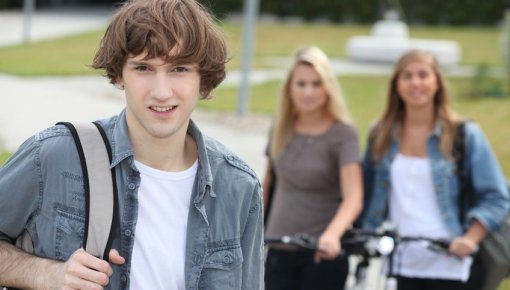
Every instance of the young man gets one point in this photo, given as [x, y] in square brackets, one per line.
[190, 214]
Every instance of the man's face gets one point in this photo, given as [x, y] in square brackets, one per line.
[159, 96]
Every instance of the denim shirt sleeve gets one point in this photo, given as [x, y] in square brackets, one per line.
[252, 243]
[20, 187]
[487, 179]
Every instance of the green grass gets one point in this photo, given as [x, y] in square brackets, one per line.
[505, 285]
[479, 44]
[71, 55]
[64, 56]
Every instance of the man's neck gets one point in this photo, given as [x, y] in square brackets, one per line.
[173, 154]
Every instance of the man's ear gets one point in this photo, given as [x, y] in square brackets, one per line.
[119, 83]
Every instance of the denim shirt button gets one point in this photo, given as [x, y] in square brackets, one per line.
[123, 278]
[127, 233]
[227, 259]
[131, 186]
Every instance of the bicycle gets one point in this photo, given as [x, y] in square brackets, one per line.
[366, 245]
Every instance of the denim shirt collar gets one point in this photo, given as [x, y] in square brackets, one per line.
[121, 145]
[121, 149]
[204, 173]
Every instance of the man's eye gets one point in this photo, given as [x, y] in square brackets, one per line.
[181, 69]
[142, 68]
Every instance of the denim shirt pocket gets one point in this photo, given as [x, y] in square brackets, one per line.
[222, 268]
[69, 232]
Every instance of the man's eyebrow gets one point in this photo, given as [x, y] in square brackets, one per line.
[136, 62]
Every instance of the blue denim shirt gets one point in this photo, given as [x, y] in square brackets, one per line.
[41, 191]
[488, 182]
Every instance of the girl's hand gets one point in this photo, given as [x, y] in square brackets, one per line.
[463, 246]
[328, 247]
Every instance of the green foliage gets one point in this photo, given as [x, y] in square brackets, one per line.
[223, 7]
[10, 4]
[452, 12]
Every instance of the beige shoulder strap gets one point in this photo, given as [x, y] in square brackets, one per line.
[101, 199]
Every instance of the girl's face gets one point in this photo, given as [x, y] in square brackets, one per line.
[417, 84]
[307, 90]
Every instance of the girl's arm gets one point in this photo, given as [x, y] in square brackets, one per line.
[352, 200]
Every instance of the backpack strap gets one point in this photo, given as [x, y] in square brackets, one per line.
[100, 191]
[466, 194]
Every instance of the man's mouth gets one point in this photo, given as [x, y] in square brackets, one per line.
[162, 109]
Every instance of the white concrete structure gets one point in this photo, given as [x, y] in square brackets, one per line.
[390, 39]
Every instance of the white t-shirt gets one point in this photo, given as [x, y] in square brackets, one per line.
[160, 235]
[415, 212]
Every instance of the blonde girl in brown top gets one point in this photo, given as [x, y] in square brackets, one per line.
[315, 157]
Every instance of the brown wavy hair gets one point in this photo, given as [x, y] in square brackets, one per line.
[178, 31]
[394, 114]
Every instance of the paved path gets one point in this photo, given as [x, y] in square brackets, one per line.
[47, 24]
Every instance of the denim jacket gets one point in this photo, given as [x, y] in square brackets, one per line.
[488, 183]
[41, 192]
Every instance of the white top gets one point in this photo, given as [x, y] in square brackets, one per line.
[160, 235]
[414, 210]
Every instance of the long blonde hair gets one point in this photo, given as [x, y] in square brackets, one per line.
[394, 114]
[286, 113]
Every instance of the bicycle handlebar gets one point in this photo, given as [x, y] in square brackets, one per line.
[361, 242]
[300, 241]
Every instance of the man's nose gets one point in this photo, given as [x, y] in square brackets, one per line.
[161, 87]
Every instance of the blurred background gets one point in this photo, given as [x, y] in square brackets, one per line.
[47, 45]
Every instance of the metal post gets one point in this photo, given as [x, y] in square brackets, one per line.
[28, 11]
[250, 22]
[505, 43]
